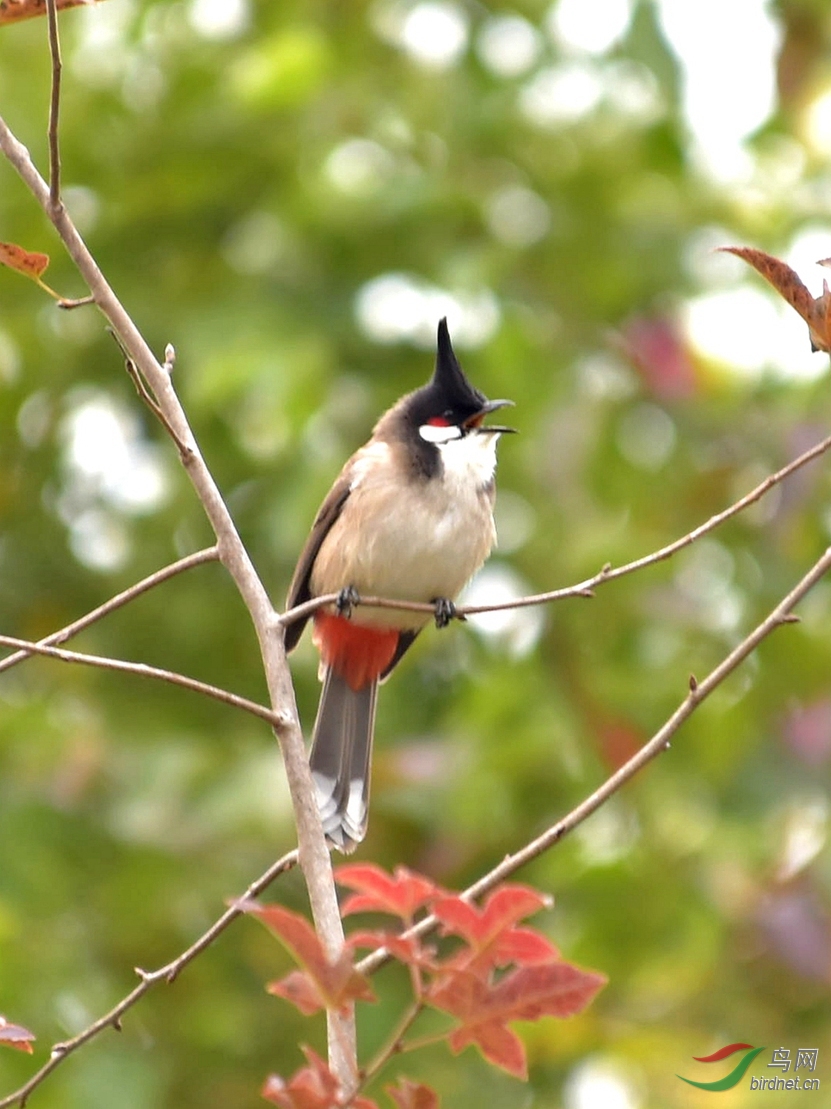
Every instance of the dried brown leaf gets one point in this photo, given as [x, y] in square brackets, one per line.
[14, 11]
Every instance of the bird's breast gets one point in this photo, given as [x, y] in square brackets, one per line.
[413, 538]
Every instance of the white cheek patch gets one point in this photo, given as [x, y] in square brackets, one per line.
[439, 433]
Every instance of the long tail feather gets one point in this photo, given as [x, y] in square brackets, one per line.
[340, 759]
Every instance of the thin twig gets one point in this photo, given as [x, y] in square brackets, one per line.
[395, 1043]
[68, 303]
[209, 554]
[167, 973]
[144, 671]
[54, 106]
[185, 452]
[698, 692]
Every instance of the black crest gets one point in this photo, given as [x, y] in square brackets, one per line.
[448, 393]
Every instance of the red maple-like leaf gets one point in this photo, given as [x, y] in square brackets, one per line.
[490, 931]
[557, 989]
[413, 1095]
[330, 985]
[311, 1087]
[401, 893]
[300, 989]
[16, 1036]
[407, 949]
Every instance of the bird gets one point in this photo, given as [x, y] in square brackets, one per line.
[410, 518]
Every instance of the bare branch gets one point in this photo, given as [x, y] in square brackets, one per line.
[146, 395]
[54, 105]
[209, 554]
[314, 852]
[168, 973]
[68, 303]
[698, 692]
[144, 671]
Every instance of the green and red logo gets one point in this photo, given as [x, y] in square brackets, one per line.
[736, 1074]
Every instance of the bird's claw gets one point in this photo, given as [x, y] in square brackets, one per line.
[347, 599]
[445, 611]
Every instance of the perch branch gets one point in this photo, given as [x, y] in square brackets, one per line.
[586, 587]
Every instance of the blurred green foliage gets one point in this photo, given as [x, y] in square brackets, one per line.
[243, 184]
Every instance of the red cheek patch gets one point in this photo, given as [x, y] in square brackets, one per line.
[357, 654]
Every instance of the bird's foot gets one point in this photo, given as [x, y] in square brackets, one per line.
[445, 611]
[347, 599]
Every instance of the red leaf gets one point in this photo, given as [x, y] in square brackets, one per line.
[407, 949]
[27, 262]
[299, 988]
[413, 1095]
[401, 893]
[16, 1036]
[557, 989]
[336, 983]
[498, 1044]
[311, 1087]
[816, 312]
[525, 947]
[490, 931]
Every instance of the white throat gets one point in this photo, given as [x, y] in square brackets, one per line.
[469, 460]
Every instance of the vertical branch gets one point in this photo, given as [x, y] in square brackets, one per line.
[54, 106]
[314, 852]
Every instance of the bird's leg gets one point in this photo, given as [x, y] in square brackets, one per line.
[347, 599]
[445, 611]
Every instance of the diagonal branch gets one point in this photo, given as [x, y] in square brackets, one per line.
[209, 554]
[698, 692]
[168, 973]
[143, 670]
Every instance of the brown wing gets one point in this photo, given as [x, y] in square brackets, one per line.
[299, 590]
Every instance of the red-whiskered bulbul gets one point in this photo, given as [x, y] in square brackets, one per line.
[410, 517]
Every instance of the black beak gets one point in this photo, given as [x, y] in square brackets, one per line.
[475, 422]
